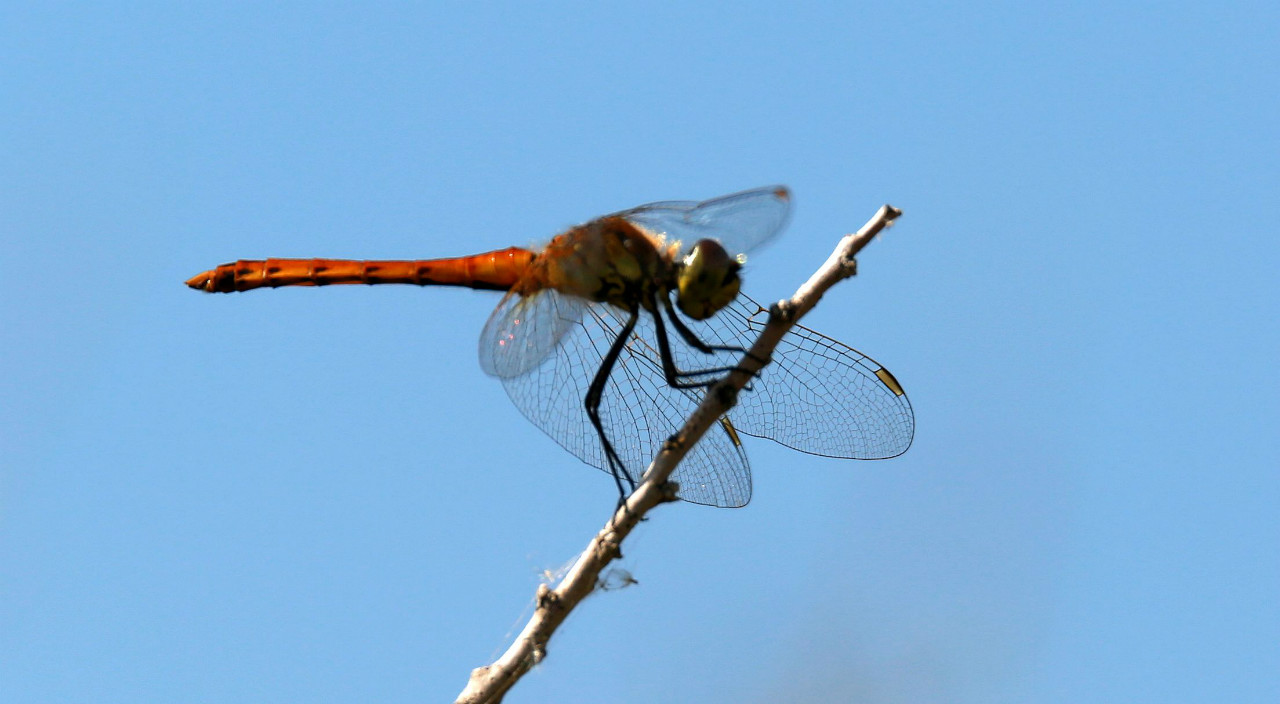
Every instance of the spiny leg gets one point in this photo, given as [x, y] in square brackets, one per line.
[669, 369]
[692, 339]
[595, 393]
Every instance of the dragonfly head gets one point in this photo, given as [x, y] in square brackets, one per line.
[707, 280]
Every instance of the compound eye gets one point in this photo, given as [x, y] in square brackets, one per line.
[708, 280]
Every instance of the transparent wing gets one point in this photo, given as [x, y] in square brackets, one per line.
[818, 395]
[639, 410]
[740, 221]
[523, 330]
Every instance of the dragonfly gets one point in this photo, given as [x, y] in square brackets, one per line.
[591, 348]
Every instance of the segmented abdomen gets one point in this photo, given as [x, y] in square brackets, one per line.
[498, 270]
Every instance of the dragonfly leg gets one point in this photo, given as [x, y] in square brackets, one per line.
[692, 339]
[595, 393]
[672, 373]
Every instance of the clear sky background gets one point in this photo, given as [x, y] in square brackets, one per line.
[317, 495]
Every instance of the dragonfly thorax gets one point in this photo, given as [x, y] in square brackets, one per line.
[706, 280]
[609, 261]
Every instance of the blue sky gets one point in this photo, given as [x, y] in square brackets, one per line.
[305, 495]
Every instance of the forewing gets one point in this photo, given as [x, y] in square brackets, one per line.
[639, 410]
[818, 395]
[740, 221]
[523, 330]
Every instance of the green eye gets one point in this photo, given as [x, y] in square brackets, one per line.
[708, 280]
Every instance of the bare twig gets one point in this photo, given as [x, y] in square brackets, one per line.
[488, 684]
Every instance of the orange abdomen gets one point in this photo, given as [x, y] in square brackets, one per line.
[498, 270]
